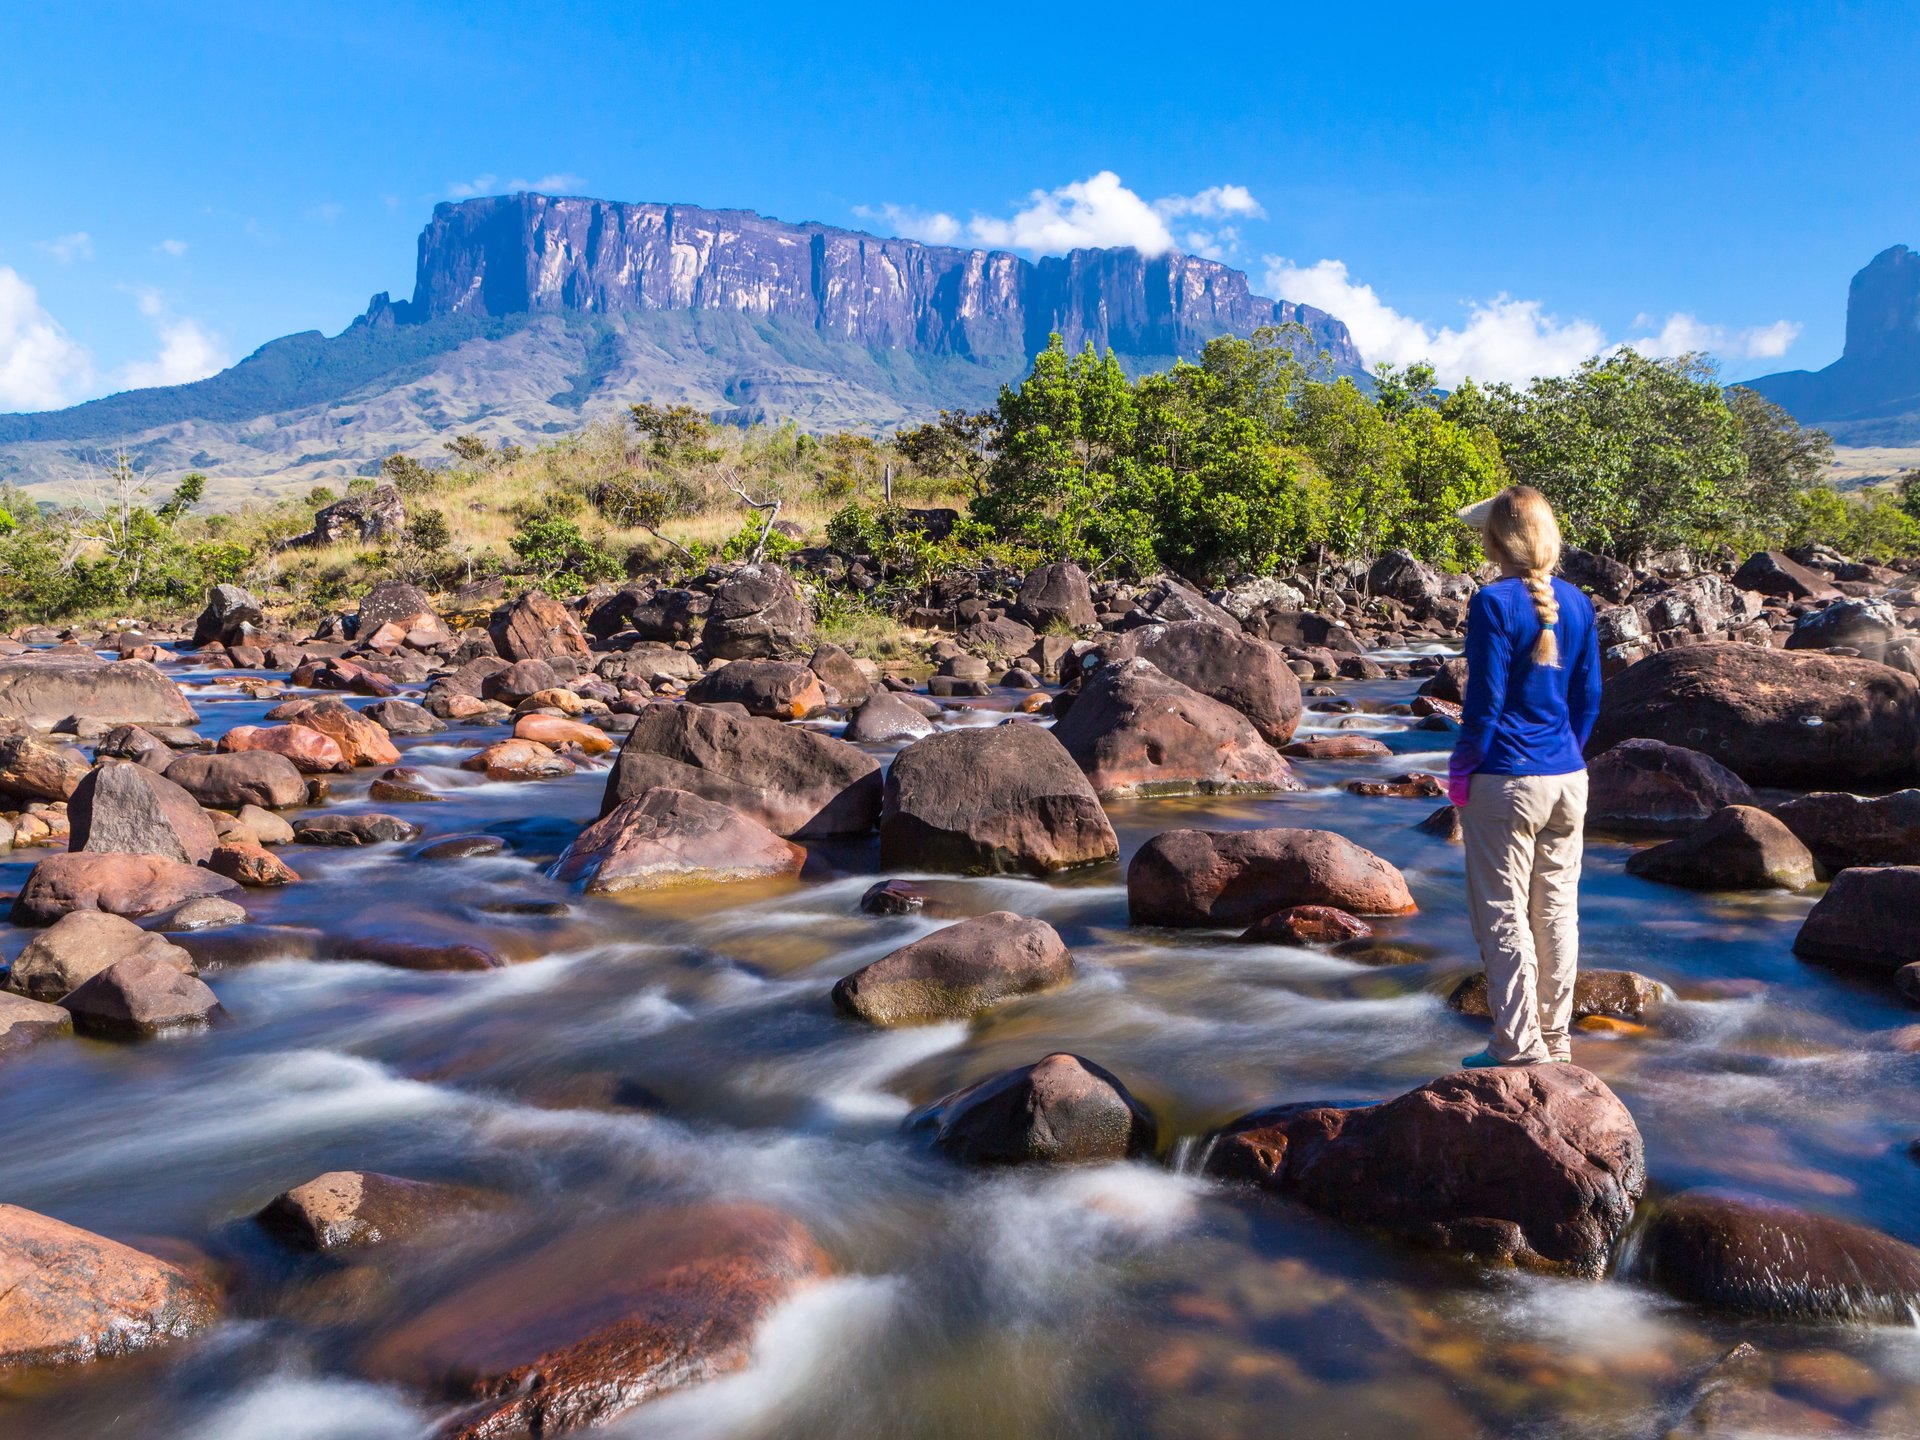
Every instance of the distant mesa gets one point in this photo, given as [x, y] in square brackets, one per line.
[532, 313]
[1871, 394]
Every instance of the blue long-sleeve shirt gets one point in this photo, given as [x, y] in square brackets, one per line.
[1523, 718]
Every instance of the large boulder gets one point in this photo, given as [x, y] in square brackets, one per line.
[1056, 596]
[1740, 848]
[583, 1328]
[1398, 576]
[797, 782]
[669, 616]
[1610, 994]
[404, 717]
[361, 741]
[840, 673]
[669, 837]
[1773, 573]
[1063, 1110]
[68, 1295]
[1759, 1257]
[1773, 717]
[774, 689]
[535, 627]
[79, 946]
[887, 719]
[1843, 830]
[311, 752]
[1865, 921]
[1135, 731]
[1536, 1166]
[1234, 877]
[1866, 625]
[126, 809]
[1647, 787]
[32, 769]
[991, 799]
[25, 1022]
[1169, 600]
[757, 613]
[48, 690]
[230, 616]
[140, 996]
[1237, 669]
[391, 602]
[957, 972]
[130, 885]
[246, 777]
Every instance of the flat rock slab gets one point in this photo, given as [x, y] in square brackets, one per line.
[44, 690]
[130, 885]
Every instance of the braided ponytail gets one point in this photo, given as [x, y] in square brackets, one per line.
[1522, 535]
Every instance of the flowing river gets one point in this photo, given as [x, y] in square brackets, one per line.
[642, 1051]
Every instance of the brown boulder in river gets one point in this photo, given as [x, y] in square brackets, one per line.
[126, 809]
[1237, 669]
[1614, 994]
[242, 777]
[1759, 1257]
[31, 769]
[1843, 830]
[1063, 1110]
[43, 690]
[670, 837]
[796, 782]
[992, 799]
[1234, 877]
[131, 885]
[776, 689]
[1537, 1166]
[1773, 717]
[535, 627]
[1136, 731]
[1308, 925]
[311, 752]
[25, 1022]
[1865, 921]
[79, 946]
[357, 1209]
[585, 1327]
[1740, 848]
[1647, 787]
[68, 1295]
[757, 613]
[957, 972]
[140, 996]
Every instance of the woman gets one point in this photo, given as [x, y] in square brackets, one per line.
[1517, 776]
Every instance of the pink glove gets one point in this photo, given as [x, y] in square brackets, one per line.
[1459, 786]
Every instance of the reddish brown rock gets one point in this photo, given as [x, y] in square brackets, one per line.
[1415, 785]
[1534, 1166]
[358, 1209]
[1234, 877]
[776, 689]
[1245, 673]
[554, 732]
[362, 741]
[1865, 921]
[588, 1326]
[1063, 1110]
[518, 760]
[242, 777]
[25, 1022]
[311, 752]
[1337, 747]
[1647, 787]
[45, 689]
[1308, 925]
[535, 628]
[1844, 830]
[957, 972]
[79, 946]
[670, 837]
[140, 996]
[992, 799]
[31, 769]
[252, 865]
[130, 885]
[69, 1296]
[1740, 848]
[126, 809]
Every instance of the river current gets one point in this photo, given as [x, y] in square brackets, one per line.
[683, 1046]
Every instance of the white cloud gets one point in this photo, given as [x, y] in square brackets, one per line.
[175, 248]
[558, 183]
[69, 248]
[188, 351]
[1503, 339]
[41, 367]
[1097, 212]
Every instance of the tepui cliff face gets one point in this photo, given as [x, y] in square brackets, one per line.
[532, 314]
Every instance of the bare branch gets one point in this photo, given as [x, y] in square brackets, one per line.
[771, 506]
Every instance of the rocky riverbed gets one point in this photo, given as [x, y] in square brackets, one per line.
[464, 1032]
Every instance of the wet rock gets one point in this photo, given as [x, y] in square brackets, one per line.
[230, 616]
[252, 865]
[311, 752]
[1414, 785]
[403, 717]
[462, 847]
[366, 829]
[1865, 921]
[554, 732]
[1135, 731]
[1772, 573]
[1844, 830]
[46, 690]
[1536, 1166]
[1444, 824]
[31, 769]
[207, 913]
[130, 885]
[535, 628]
[1758, 1257]
[362, 741]
[140, 996]
[1772, 717]
[905, 897]
[1221, 877]
[957, 972]
[518, 760]
[885, 719]
[1238, 670]
[1307, 925]
[757, 613]
[1607, 994]
[839, 673]
[126, 809]
[389, 950]
[584, 1328]
[229, 781]
[1740, 848]
[130, 742]
[358, 1209]
[993, 799]
[1062, 1110]
[775, 689]
[71, 1296]
[796, 782]
[1647, 787]
[25, 1022]
[1337, 747]
[671, 837]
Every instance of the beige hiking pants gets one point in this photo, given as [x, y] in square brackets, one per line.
[1523, 841]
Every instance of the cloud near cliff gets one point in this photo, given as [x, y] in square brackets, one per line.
[1504, 338]
[1097, 212]
[44, 368]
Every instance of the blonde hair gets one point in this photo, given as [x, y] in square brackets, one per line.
[1521, 533]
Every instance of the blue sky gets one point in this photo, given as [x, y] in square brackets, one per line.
[1505, 188]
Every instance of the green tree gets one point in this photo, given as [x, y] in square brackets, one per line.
[1784, 460]
[670, 427]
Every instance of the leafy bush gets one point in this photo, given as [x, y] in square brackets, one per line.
[556, 552]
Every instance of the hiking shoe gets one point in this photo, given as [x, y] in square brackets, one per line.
[1481, 1060]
